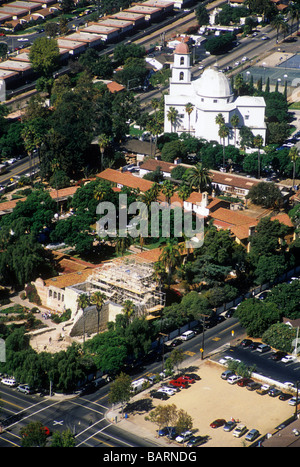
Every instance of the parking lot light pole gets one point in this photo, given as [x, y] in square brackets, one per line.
[163, 350]
[296, 406]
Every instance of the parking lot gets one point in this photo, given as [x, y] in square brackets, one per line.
[212, 398]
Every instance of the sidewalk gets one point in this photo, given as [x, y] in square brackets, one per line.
[125, 423]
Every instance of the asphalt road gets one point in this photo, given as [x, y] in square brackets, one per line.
[19, 168]
[85, 415]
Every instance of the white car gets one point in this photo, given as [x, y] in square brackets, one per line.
[233, 379]
[244, 59]
[22, 39]
[240, 431]
[289, 359]
[225, 360]
[265, 387]
[166, 390]
[293, 400]
[183, 437]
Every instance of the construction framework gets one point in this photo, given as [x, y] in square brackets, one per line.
[128, 280]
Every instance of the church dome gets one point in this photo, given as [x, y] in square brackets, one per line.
[182, 48]
[213, 83]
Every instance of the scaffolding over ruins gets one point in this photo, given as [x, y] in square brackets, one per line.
[128, 279]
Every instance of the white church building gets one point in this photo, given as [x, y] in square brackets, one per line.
[210, 95]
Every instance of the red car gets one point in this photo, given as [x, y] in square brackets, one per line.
[178, 384]
[244, 381]
[217, 423]
[186, 379]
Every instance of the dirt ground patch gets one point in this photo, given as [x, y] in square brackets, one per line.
[212, 398]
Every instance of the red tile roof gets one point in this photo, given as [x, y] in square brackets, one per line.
[115, 87]
[239, 224]
[152, 164]
[125, 179]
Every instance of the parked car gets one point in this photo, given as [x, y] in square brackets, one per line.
[159, 395]
[240, 431]
[253, 386]
[187, 335]
[264, 389]
[234, 379]
[229, 313]
[217, 423]
[166, 390]
[289, 359]
[294, 400]
[254, 345]
[225, 360]
[184, 437]
[274, 392]
[193, 376]
[244, 381]
[178, 384]
[186, 379]
[230, 425]
[284, 396]
[252, 435]
[278, 355]
[195, 441]
[176, 342]
[262, 348]
[9, 382]
[25, 389]
[246, 342]
[166, 430]
[226, 374]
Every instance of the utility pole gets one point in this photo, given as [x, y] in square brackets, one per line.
[296, 406]
[203, 331]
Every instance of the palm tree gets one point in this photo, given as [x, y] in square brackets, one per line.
[258, 143]
[220, 120]
[239, 83]
[83, 301]
[155, 190]
[168, 189]
[28, 135]
[235, 123]
[172, 117]
[223, 133]
[171, 257]
[122, 243]
[103, 142]
[98, 299]
[198, 177]
[279, 24]
[293, 13]
[100, 191]
[184, 191]
[189, 109]
[146, 198]
[294, 154]
[128, 309]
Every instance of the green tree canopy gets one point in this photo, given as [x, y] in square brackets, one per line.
[44, 55]
[256, 316]
[265, 194]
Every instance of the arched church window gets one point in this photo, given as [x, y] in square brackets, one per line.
[181, 60]
[181, 76]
